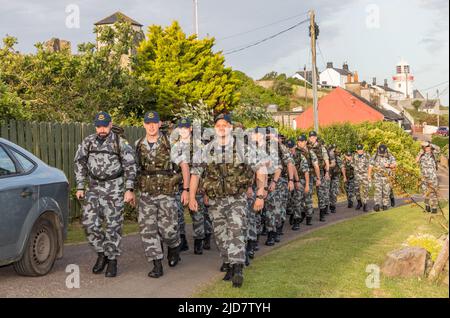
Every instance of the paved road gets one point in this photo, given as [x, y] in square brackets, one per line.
[132, 281]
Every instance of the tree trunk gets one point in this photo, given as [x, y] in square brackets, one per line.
[440, 262]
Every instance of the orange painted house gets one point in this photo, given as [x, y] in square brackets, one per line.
[341, 106]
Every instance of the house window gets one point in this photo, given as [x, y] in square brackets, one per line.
[399, 69]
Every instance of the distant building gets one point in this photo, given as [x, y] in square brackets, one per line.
[418, 95]
[304, 76]
[109, 22]
[58, 45]
[333, 77]
[430, 106]
[403, 79]
[343, 106]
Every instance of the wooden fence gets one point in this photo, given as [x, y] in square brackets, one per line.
[56, 144]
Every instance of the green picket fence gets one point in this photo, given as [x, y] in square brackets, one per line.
[56, 144]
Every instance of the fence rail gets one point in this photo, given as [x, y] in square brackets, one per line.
[56, 144]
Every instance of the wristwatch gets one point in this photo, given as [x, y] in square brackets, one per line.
[260, 196]
[131, 190]
[186, 189]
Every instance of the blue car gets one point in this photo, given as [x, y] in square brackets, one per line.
[34, 210]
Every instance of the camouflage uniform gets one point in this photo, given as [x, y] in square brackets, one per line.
[335, 173]
[323, 194]
[429, 185]
[381, 178]
[361, 166]
[225, 179]
[108, 167]
[304, 161]
[158, 182]
[350, 174]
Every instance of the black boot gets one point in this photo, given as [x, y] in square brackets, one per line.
[111, 270]
[276, 237]
[325, 210]
[359, 205]
[350, 204]
[376, 208]
[427, 208]
[385, 207]
[270, 239]
[256, 244]
[332, 209]
[250, 249]
[296, 225]
[228, 272]
[207, 242]
[173, 256]
[434, 210]
[198, 246]
[238, 275]
[322, 215]
[100, 264]
[291, 219]
[365, 207]
[392, 199]
[302, 216]
[184, 244]
[247, 259]
[157, 270]
[224, 267]
[309, 220]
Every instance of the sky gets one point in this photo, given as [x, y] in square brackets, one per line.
[372, 36]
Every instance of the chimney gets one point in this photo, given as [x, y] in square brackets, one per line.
[374, 81]
[345, 66]
[355, 77]
[385, 83]
[330, 65]
[364, 84]
[349, 78]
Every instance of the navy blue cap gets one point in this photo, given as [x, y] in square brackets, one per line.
[382, 148]
[359, 147]
[151, 117]
[102, 119]
[313, 133]
[226, 117]
[290, 143]
[348, 153]
[184, 122]
[302, 138]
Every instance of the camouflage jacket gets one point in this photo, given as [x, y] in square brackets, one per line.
[157, 173]
[226, 170]
[311, 160]
[103, 161]
[428, 166]
[335, 164]
[349, 169]
[361, 164]
[378, 163]
[321, 154]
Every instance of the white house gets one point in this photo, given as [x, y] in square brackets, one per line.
[386, 93]
[305, 76]
[333, 77]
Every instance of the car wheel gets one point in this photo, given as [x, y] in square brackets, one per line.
[40, 251]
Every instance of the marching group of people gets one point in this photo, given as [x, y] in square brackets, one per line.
[235, 189]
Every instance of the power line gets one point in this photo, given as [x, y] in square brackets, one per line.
[261, 27]
[265, 39]
[434, 86]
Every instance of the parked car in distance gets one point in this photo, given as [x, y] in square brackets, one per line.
[34, 210]
[442, 131]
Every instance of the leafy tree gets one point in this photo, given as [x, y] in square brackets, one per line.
[11, 106]
[181, 69]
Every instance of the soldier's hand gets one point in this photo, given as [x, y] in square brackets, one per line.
[307, 188]
[259, 204]
[130, 198]
[272, 186]
[249, 193]
[206, 200]
[297, 185]
[291, 186]
[318, 183]
[193, 205]
[80, 194]
[185, 198]
[327, 176]
[345, 180]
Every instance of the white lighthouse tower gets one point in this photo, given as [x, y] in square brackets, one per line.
[403, 79]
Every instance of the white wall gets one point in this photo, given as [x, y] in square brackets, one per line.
[332, 78]
[428, 129]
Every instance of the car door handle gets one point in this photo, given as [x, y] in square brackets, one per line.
[26, 192]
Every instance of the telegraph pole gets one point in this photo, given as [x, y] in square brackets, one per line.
[314, 69]
[196, 17]
[437, 106]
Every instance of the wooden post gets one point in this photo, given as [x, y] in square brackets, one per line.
[439, 265]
